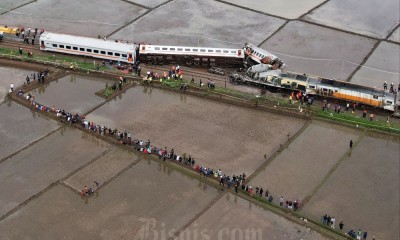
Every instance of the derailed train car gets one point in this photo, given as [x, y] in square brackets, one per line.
[329, 88]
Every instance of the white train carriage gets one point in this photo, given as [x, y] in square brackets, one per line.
[259, 55]
[85, 46]
[191, 56]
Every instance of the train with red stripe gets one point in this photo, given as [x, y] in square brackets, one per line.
[157, 54]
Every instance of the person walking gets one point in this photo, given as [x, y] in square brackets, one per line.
[351, 143]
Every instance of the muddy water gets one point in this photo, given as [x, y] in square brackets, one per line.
[87, 18]
[315, 50]
[147, 196]
[217, 135]
[232, 217]
[396, 35]
[74, 94]
[10, 75]
[19, 127]
[364, 190]
[383, 65]
[200, 23]
[370, 17]
[282, 8]
[43, 163]
[317, 149]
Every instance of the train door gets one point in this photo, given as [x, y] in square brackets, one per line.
[130, 59]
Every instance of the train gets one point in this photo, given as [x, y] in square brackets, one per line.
[313, 85]
[261, 67]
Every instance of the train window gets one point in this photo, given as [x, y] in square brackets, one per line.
[202, 50]
[117, 54]
[313, 87]
[157, 48]
[88, 50]
[109, 53]
[233, 51]
[124, 55]
[209, 50]
[218, 51]
[54, 45]
[226, 51]
[103, 52]
[68, 47]
[164, 48]
[96, 51]
[195, 50]
[389, 102]
[180, 49]
[187, 49]
[375, 96]
[61, 46]
[75, 48]
[81, 49]
[172, 49]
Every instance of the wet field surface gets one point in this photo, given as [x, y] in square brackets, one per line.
[208, 131]
[146, 198]
[49, 160]
[318, 148]
[319, 51]
[103, 169]
[386, 57]
[232, 217]
[283, 8]
[7, 5]
[396, 35]
[72, 93]
[367, 17]
[194, 21]
[364, 190]
[10, 75]
[148, 3]
[74, 16]
[19, 127]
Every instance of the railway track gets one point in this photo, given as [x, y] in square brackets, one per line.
[200, 73]
[17, 44]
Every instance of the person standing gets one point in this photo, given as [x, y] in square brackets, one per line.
[333, 222]
[365, 235]
[341, 225]
[359, 234]
[351, 143]
[12, 87]
[281, 201]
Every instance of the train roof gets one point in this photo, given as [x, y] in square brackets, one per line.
[87, 41]
[162, 49]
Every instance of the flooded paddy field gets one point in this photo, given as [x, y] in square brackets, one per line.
[146, 199]
[19, 127]
[7, 5]
[396, 35]
[315, 50]
[368, 17]
[10, 75]
[148, 3]
[228, 137]
[232, 217]
[73, 93]
[283, 8]
[192, 26]
[103, 169]
[383, 65]
[364, 190]
[47, 161]
[317, 149]
[87, 18]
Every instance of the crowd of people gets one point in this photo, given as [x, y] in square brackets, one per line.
[125, 138]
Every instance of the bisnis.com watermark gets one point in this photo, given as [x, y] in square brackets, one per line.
[152, 230]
